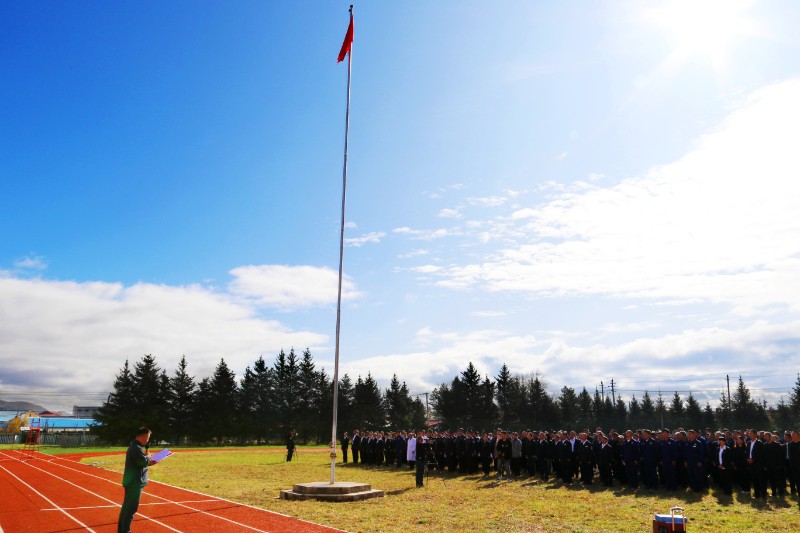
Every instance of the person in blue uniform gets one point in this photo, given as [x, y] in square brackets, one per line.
[631, 455]
[134, 478]
[695, 460]
[668, 458]
[649, 461]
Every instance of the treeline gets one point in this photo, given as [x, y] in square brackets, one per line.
[261, 407]
[269, 400]
[523, 403]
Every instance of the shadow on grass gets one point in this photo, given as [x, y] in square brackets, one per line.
[397, 492]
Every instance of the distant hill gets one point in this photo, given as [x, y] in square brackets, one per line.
[20, 406]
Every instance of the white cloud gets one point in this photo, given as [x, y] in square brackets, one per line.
[720, 224]
[425, 235]
[488, 314]
[426, 269]
[424, 370]
[449, 213]
[488, 201]
[69, 336]
[413, 253]
[31, 263]
[704, 355]
[290, 287]
[372, 237]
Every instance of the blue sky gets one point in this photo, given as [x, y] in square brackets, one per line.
[590, 191]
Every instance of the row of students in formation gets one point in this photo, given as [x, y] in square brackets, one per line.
[731, 460]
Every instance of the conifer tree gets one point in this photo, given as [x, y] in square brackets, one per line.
[502, 385]
[709, 419]
[308, 398]
[150, 397]
[677, 411]
[397, 404]
[661, 412]
[743, 408]
[568, 404]
[116, 417]
[693, 415]
[585, 411]
[634, 414]
[488, 410]
[794, 402]
[620, 419]
[344, 409]
[648, 417]
[369, 404]
[222, 412]
[181, 400]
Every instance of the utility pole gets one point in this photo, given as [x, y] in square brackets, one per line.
[613, 398]
[728, 379]
[427, 410]
[602, 391]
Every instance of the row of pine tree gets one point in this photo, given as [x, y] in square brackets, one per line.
[262, 406]
[292, 393]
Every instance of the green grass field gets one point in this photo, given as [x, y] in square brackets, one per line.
[256, 475]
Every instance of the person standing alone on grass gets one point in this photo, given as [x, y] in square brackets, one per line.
[134, 478]
[290, 446]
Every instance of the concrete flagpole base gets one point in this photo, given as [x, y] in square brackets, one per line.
[341, 491]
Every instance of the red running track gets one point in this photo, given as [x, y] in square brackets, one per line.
[48, 494]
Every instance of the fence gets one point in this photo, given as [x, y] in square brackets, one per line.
[8, 438]
[65, 439]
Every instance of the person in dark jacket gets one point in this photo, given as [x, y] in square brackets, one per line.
[757, 465]
[356, 445]
[134, 478]
[423, 450]
[345, 446]
[724, 465]
[485, 449]
[290, 445]
[668, 457]
[695, 461]
[631, 455]
[649, 462]
[776, 465]
[584, 453]
[739, 454]
[605, 461]
[793, 455]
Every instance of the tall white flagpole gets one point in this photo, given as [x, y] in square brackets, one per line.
[341, 260]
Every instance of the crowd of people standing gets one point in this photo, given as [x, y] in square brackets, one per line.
[749, 461]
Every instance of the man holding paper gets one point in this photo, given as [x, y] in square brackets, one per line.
[134, 478]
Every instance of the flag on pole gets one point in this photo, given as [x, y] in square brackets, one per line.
[348, 40]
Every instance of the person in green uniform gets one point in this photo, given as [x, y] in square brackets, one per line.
[134, 478]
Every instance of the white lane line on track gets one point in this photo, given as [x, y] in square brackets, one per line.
[218, 498]
[167, 500]
[140, 505]
[85, 490]
[48, 500]
[222, 500]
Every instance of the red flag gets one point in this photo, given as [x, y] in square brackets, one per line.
[348, 40]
